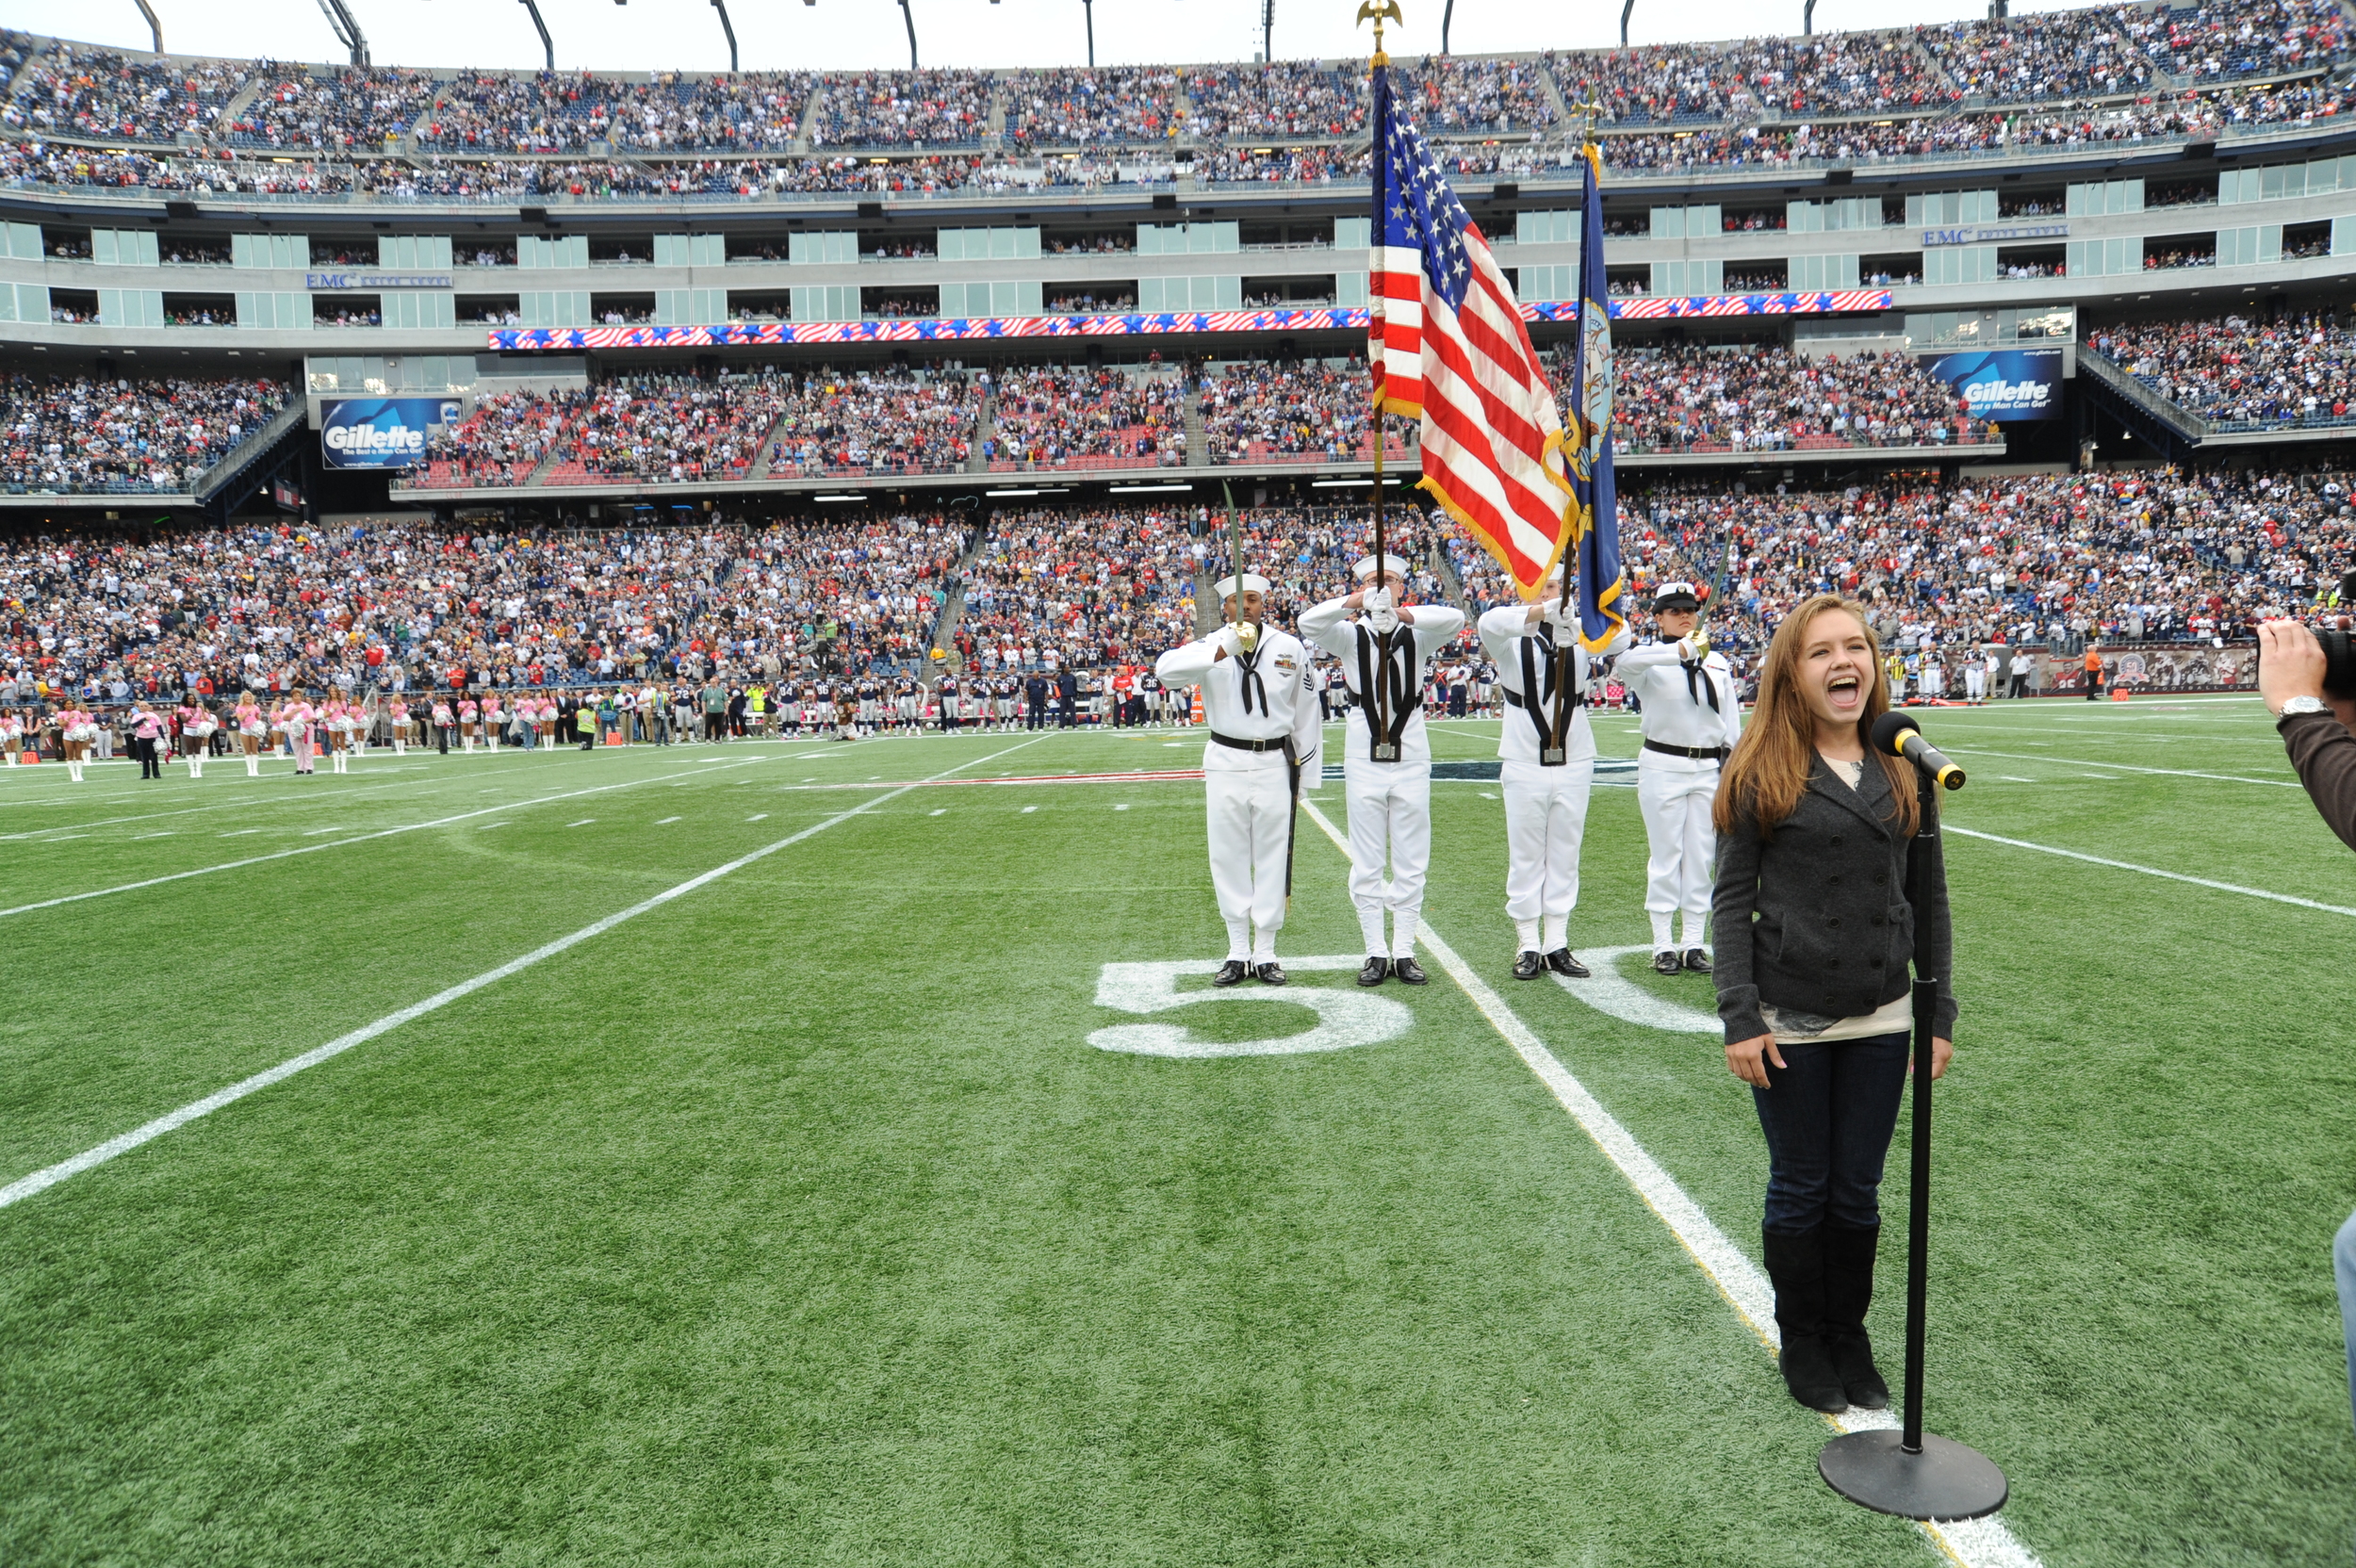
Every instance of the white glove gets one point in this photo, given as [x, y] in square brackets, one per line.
[1694, 647]
[1381, 613]
[1562, 618]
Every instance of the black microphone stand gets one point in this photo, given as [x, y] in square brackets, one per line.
[1911, 1473]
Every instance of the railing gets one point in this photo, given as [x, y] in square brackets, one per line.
[2120, 380]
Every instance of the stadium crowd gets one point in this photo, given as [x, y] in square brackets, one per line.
[1127, 104]
[1314, 409]
[75, 433]
[2234, 371]
[1754, 397]
[898, 108]
[898, 419]
[1063, 416]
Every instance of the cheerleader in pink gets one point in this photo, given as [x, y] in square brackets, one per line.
[469, 720]
[335, 719]
[76, 729]
[494, 720]
[196, 729]
[543, 719]
[399, 713]
[11, 736]
[252, 726]
[294, 721]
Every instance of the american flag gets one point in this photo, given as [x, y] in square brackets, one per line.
[1447, 344]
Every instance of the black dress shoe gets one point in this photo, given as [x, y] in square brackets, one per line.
[1527, 964]
[1563, 961]
[1373, 972]
[1410, 972]
[1665, 962]
[1231, 972]
[1269, 973]
[1696, 961]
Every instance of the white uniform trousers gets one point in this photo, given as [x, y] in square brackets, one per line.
[1545, 816]
[1675, 795]
[1390, 819]
[1975, 682]
[1251, 817]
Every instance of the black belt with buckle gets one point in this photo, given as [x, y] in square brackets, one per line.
[1714, 753]
[1282, 743]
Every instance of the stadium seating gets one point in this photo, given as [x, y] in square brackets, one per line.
[1759, 398]
[1311, 411]
[1079, 419]
[2237, 373]
[875, 421]
[70, 435]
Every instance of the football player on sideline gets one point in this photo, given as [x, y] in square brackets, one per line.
[1544, 785]
[1691, 722]
[1261, 708]
[1387, 762]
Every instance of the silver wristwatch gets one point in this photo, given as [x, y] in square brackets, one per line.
[2304, 705]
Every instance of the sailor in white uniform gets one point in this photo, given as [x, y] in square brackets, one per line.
[1261, 708]
[1691, 720]
[1548, 756]
[1387, 762]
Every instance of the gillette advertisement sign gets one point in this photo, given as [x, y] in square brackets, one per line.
[2004, 385]
[380, 433]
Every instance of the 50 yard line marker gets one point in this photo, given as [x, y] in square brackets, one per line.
[49, 1176]
[1974, 1542]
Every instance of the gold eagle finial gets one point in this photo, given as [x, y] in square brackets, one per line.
[1378, 12]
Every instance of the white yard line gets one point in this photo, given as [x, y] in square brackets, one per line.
[1974, 1544]
[243, 802]
[2155, 871]
[356, 839]
[41, 1181]
[1969, 750]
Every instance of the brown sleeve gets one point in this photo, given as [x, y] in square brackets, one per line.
[2324, 752]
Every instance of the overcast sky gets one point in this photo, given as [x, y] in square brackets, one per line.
[777, 34]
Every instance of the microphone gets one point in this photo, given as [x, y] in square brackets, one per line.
[1896, 733]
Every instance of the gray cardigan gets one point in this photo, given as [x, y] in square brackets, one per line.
[1821, 919]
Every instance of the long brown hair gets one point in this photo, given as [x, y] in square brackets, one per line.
[1768, 773]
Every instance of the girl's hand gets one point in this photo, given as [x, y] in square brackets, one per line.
[1748, 1059]
[1942, 1051]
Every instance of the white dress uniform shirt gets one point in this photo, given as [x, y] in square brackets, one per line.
[1330, 627]
[1502, 633]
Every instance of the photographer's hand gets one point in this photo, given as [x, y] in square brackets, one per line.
[1748, 1059]
[2290, 664]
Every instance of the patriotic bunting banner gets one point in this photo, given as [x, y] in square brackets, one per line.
[1328, 319]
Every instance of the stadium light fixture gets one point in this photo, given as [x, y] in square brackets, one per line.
[154, 26]
[1625, 9]
[1446, 16]
[1348, 483]
[547, 44]
[997, 493]
[1087, 10]
[727, 27]
[910, 17]
[345, 28]
[1807, 19]
[1268, 32]
[851, 497]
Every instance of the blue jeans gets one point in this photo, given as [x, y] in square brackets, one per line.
[1828, 1119]
[2343, 1265]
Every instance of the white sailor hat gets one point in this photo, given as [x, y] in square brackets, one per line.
[1253, 584]
[1392, 566]
[1676, 596]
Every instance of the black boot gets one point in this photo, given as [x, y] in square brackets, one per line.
[1848, 1291]
[1795, 1263]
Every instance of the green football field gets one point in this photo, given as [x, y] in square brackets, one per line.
[830, 1153]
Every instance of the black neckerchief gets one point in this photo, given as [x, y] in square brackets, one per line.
[1696, 674]
[1250, 679]
[1541, 698]
[1386, 682]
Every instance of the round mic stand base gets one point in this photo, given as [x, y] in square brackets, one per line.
[1945, 1480]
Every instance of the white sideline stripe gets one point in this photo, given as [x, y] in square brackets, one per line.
[1974, 1544]
[2130, 767]
[243, 802]
[2155, 871]
[49, 1176]
[338, 843]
